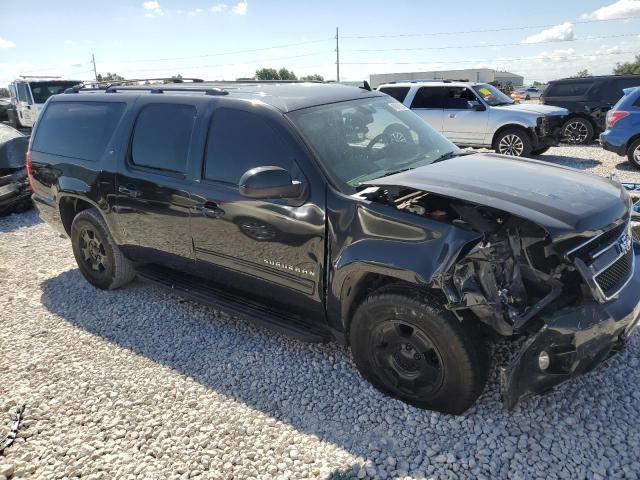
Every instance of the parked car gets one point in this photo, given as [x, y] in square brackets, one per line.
[28, 96]
[588, 101]
[622, 135]
[528, 93]
[407, 249]
[5, 104]
[480, 115]
[15, 192]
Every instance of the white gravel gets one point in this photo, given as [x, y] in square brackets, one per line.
[138, 383]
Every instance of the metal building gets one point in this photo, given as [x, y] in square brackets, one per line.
[473, 74]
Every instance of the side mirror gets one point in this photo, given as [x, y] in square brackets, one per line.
[476, 106]
[270, 182]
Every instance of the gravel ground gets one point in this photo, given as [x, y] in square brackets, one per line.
[137, 383]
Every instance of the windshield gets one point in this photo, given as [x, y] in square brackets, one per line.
[43, 90]
[361, 140]
[492, 95]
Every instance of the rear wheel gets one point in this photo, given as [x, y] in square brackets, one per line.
[633, 154]
[14, 121]
[514, 142]
[577, 131]
[408, 346]
[97, 255]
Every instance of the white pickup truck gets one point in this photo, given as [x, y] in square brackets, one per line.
[28, 95]
[479, 115]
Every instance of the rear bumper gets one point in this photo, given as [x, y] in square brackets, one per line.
[576, 339]
[613, 143]
[13, 190]
[49, 213]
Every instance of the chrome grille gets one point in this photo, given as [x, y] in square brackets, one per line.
[614, 277]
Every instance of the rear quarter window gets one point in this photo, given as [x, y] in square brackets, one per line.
[77, 129]
[399, 93]
[569, 89]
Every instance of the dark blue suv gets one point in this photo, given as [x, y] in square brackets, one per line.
[622, 135]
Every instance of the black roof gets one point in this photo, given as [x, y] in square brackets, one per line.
[593, 77]
[284, 96]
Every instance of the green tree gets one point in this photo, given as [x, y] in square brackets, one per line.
[583, 73]
[109, 77]
[267, 74]
[313, 78]
[285, 74]
[628, 67]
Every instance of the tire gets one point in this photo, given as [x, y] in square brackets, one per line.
[577, 131]
[398, 133]
[540, 151]
[97, 255]
[14, 121]
[514, 142]
[633, 153]
[401, 338]
[528, 97]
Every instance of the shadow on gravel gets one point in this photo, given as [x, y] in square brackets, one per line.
[14, 221]
[569, 161]
[314, 388]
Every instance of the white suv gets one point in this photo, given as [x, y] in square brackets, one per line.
[480, 115]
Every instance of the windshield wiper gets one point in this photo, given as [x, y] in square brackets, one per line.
[448, 155]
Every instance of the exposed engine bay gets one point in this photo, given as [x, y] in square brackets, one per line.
[508, 276]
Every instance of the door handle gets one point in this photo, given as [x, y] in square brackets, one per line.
[210, 209]
[129, 191]
[452, 115]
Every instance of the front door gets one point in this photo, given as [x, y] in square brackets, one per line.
[461, 123]
[271, 249]
[152, 202]
[25, 107]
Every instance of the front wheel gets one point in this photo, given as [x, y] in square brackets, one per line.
[410, 347]
[633, 154]
[514, 142]
[97, 255]
[577, 131]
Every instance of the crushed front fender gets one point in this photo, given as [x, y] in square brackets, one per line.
[576, 339]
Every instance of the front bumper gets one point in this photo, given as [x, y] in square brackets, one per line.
[548, 132]
[576, 339]
[13, 190]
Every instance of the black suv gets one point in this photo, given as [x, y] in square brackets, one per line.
[588, 100]
[297, 206]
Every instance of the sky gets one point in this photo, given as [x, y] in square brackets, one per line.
[227, 39]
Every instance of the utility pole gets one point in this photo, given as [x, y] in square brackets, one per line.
[337, 57]
[95, 71]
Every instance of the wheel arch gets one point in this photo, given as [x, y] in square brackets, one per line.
[69, 206]
[630, 142]
[513, 125]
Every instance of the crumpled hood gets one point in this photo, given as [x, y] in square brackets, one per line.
[535, 108]
[561, 200]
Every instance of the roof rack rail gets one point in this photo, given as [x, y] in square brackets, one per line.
[163, 89]
[262, 81]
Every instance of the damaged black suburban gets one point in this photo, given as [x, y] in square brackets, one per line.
[335, 213]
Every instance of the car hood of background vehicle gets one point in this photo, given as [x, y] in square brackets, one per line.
[563, 201]
[534, 108]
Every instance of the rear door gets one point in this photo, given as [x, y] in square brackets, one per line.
[428, 103]
[461, 123]
[152, 202]
[269, 249]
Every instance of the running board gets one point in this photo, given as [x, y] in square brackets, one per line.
[258, 313]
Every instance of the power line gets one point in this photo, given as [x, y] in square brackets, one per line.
[539, 57]
[488, 30]
[449, 47]
[235, 52]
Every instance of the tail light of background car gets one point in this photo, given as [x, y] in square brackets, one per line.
[614, 116]
[30, 170]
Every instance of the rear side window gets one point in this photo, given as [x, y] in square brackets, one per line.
[77, 129]
[569, 89]
[617, 85]
[429, 97]
[239, 141]
[399, 93]
[162, 136]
